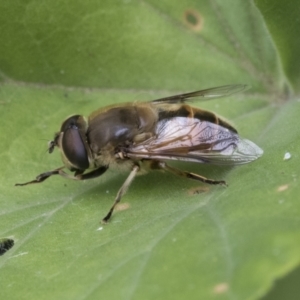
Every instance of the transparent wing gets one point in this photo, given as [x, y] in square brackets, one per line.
[216, 92]
[190, 139]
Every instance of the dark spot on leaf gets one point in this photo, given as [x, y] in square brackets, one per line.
[198, 190]
[193, 20]
[5, 245]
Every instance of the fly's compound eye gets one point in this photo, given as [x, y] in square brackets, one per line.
[72, 143]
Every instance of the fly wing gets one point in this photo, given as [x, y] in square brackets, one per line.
[189, 139]
[211, 93]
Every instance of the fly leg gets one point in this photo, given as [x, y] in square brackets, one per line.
[122, 191]
[90, 175]
[77, 175]
[164, 166]
[41, 177]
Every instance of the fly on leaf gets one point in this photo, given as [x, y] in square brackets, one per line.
[149, 134]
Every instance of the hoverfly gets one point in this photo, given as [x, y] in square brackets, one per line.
[149, 133]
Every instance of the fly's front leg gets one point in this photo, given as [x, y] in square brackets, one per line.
[122, 191]
[42, 177]
[77, 176]
[93, 174]
[164, 166]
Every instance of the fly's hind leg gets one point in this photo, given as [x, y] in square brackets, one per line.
[122, 191]
[164, 166]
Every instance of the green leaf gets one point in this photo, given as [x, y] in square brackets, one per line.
[172, 238]
[282, 20]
